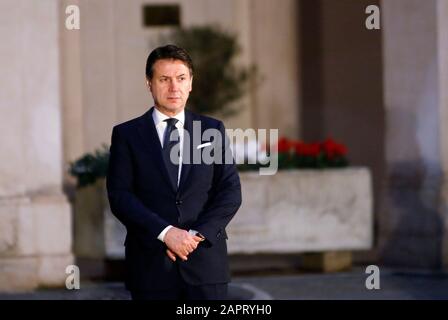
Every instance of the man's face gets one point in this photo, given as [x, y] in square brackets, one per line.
[170, 85]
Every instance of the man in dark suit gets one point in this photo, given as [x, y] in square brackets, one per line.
[175, 210]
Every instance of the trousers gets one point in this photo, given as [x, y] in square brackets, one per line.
[185, 291]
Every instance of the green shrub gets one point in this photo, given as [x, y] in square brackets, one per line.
[90, 167]
[218, 82]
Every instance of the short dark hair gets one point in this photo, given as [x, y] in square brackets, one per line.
[167, 52]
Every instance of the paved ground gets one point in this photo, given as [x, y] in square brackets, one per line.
[394, 284]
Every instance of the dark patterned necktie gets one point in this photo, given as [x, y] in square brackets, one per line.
[172, 164]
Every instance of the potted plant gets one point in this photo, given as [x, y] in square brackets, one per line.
[97, 233]
[219, 82]
[315, 204]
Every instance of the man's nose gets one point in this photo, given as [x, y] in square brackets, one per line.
[174, 86]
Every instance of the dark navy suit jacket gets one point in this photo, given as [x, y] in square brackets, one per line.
[142, 197]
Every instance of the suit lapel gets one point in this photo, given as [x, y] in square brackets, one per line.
[187, 145]
[148, 133]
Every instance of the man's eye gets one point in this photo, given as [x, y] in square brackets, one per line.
[182, 78]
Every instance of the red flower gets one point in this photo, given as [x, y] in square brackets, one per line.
[299, 147]
[284, 145]
[329, 147]
[307, 149]
[333, 149]
[314, 149]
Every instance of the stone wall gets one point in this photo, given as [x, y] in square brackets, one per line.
[35, 217]
[299, 211]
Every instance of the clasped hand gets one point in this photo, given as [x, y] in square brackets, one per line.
[180, 243]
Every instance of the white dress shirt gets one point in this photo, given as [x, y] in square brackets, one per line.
[159, 120]
[160, 123]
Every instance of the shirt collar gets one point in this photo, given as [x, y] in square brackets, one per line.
[159, 117]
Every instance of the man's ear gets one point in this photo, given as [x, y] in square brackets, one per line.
[191, 84]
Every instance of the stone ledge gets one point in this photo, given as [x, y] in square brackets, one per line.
[297, 211]
[330, 261]
[28, 273]
[18, 274]
[32, 227]
[51, 269]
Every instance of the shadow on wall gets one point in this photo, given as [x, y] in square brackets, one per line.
[411, 228]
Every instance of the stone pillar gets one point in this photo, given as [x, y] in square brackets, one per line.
[413, 216]
[442, 22]
[275, 50]
[73, 117]
[342, 89]
[35, 221]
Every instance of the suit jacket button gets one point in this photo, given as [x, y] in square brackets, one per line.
[218, 235]
[178, 202]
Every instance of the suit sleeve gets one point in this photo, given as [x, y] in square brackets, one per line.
[225, 199]
[124, 204]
